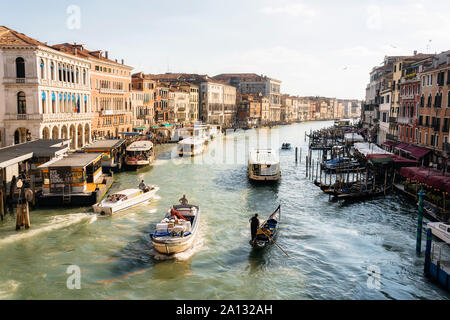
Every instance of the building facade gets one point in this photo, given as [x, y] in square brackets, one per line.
[45, 93]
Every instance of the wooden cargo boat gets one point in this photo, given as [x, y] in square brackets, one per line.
[178, 230]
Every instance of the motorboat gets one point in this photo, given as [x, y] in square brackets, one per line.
[191, 146]
[178, 230]
[124, 199]
[264, 165]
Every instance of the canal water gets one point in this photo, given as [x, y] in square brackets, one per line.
[362, 250]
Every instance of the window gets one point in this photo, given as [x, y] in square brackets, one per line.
[52, 70]
[42, 69]
[20, 68]
[429, 101]
[426, 139]
[21, 103]
[448, 99]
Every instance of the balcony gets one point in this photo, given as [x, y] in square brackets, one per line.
[111, 91]
[391, 137]
[23, 117]
[404, 120]
[51, 117]
[112, 112]
[446, 146]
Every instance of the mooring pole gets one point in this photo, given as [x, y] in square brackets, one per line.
[426, 266]
[419, 222]
[300, 155]
[296, 154]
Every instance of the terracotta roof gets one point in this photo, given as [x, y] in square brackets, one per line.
[242, 77]
[9, 37]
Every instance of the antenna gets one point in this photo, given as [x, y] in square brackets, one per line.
[428, 46]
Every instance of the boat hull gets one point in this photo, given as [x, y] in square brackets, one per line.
[106, 210]
[265, 178]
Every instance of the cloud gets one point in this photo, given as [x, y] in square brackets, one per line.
[292, 9]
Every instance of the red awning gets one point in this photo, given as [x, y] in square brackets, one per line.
[401, 145]
[389, 143]
[416, 152]
[431, 177]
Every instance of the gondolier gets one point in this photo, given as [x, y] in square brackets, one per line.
[254, 225]
[183, 200]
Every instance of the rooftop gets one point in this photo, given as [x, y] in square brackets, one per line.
[104, 144]
[75, 160]
[37, 148]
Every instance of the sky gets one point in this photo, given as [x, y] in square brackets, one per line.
[324, 48]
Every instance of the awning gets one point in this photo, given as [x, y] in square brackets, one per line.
[431, 177]
[389, 143]
[401, 145]
[140, 128]
[416, 152]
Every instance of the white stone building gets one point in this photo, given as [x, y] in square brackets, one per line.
[44, 93]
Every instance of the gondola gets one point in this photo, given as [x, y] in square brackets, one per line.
[286, 146]
[267, 232]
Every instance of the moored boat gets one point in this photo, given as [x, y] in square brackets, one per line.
[140, 154]
[267, 232]
[124, 199]
[264, 165]
[286, 146]
[192, 146]
[178, 230]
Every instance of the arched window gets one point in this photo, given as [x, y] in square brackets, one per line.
[52, 71]
[21, 103]
[72, 75]
[77, 80]
[59, 72]
[84, 77]
[429, 101]
[64, 73]
[20, 68]
[44, 106]
[41, 66]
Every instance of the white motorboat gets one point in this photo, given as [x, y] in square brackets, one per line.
[440, 230]
[264, 165]
[191, 146]
[124, 199]
[178, 230]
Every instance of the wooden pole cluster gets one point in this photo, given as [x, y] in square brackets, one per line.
[23, 216]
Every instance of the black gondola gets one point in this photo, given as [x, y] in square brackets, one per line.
[286, 146]
[267, 231]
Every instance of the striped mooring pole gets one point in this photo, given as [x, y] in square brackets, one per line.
[419, 222]
[428, 253]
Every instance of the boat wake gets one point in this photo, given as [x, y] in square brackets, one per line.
[8, 288]
[57, 222]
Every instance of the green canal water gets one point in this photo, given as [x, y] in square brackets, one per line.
[333, 247]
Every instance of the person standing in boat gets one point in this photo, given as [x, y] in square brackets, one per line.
[183, 200]
[142, 185]
[254, 225]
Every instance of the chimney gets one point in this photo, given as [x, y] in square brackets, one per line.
[123, 61]
[106, 54]
[415, 52]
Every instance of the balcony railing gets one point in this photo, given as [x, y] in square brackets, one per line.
[404, 120]
[390, 136]
[112, 91]
[446, 146]
[23, 117]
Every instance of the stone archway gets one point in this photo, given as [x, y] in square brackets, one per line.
[87, 134]
[46, 133]
[73, 136]
[22, 135]
[80, 136]
[64, 134]
[55, 133]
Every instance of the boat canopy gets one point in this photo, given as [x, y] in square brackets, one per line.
[192, 140]
[428, 176]
[263, 156]
[366, 149]
[140, 146]
[353, 137]
[414, 151]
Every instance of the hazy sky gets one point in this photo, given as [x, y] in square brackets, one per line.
[315, 47]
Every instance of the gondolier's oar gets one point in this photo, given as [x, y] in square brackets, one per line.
[275, 243]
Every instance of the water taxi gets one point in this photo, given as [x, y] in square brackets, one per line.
[140, 154]
[267, 232]
[437, 253]
[264, 165]
[124, 199]
[196, 131]
[191, 146]
[177, 231]
[214, 131]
